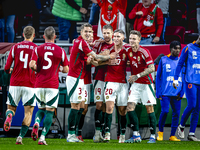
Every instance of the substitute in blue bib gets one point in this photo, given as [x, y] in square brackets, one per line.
[165, 91]
[191, 80]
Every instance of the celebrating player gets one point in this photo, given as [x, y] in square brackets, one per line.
[22, 82]
[46, 60]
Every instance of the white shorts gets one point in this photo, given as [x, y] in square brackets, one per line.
[142, 93]
[17, 92]
[87, 93]
[47, 97]
[75, 89]
[99, 87]
[116, 92]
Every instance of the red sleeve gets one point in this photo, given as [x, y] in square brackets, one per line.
[148, 58]
[100, 2]
[34, 55]
[85, 47]
[132, 14]
[122, 4]
[65, 61]
[9, 60]
[159, 21]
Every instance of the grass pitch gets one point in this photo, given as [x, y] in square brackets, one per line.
[61, 144]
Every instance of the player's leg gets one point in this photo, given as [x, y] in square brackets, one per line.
[194, 118]
[13, 99]
[82, 107]
[176, 107]
[163, 115]
[29, 102]
[76, 94]
[110, 96]
[51, 96]
[133, 99]
[148, 99]
[190, 92]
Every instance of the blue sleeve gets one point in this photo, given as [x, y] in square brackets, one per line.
[183, 58]
[158, 80]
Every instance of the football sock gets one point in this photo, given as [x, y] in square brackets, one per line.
[123, 124]
[134, 123]
[9, 112]
[72, 121]
[108, 122]
[79, 117]
[152, 119]
[23, 131]
[39, 115]
[47, 122]
[97, 117]
[103, 121]
[80, 125]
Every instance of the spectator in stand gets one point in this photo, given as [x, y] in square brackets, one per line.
[9, 11]
[112, 12]
[148, 19]
[94, 13]
[129, 22]
[198, 14]
[67, 13]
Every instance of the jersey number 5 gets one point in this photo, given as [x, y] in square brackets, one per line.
[48, 60]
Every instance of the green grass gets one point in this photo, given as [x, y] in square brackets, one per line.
[61, 144]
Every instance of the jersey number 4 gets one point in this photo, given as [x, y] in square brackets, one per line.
[25, 59]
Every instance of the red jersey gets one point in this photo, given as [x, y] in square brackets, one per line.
[77, 63]
[49, 57]
[22, 75]
[117, 72]
[112, 13]
[150, 23]
[139, 61]
[100, 71]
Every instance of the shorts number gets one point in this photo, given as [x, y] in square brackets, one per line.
[108, 91]
[25, 59]
[98, 90]
[85, 93]
[80, 91]
[48, 60]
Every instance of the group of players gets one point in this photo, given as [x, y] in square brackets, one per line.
[35, 79]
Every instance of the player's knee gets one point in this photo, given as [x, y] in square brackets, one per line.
[109, 109]
[99, 105]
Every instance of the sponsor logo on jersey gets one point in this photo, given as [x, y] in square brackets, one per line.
[107, 97]
[194, 54]
[124, 56]
[98, 97]
[79, 97]
[131, 54]
[138, 58]
[168, 68]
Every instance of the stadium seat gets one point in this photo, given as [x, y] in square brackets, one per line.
[192, 23]
[174, 33]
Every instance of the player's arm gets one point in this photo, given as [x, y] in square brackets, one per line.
[182, 59]
[33, 65]
[102, 57]
[158, 80]
[147, 71]
[65, 62]
[9, 61]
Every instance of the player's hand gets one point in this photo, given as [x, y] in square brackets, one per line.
[100, 40]
[112, 61]
[178, 97]
[94, 1]
[139, 13]
[132, 78]
[11, 69]
[160, 98]
[156, 39]
[90, 58]
[105, 52]
[61, 68]
[175, 84]
[113, 55]
[83, 10]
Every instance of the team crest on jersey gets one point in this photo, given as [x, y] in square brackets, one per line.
[131, 54]
[107, 97]
[124, 56]
[98, 97]
[109, 7]
[79, 97]
[138, 58]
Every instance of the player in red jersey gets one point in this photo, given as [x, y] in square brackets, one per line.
[112, 12]
[74, 81]
[116, 87]
[141, 90]
[99, 83]
[22, 81]
[46, 60]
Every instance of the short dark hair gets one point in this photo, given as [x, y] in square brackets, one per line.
[86, 25]
[135, 32]
[119, 31]
[173, 44]
[28, 32]
[108, 27]
[49, 32]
